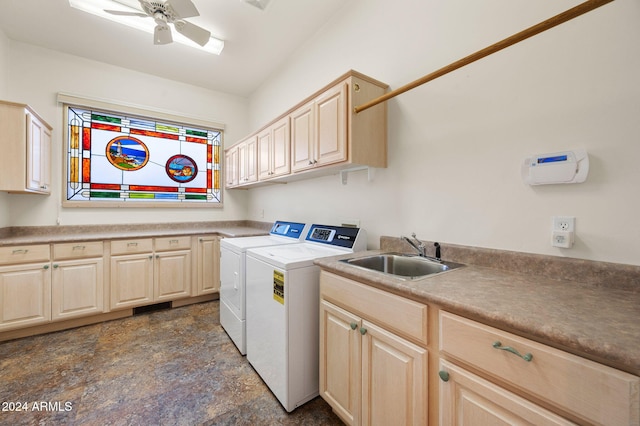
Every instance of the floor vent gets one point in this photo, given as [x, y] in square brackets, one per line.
[151, 308]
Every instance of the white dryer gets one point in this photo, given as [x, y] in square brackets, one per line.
[232, 275]
[283, 310]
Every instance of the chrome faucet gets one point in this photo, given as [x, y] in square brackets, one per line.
[422, 249]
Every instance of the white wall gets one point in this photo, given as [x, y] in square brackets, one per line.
[36, 75]
[456, 144]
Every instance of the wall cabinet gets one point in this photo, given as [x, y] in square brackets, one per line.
[207, 265]
[322, 135]
[141, 275]
[248, 161]
[274, 157]
[370, 371]
[569, 386]
[231, 167]
[77, 280]
[26, 150]
[319, 130]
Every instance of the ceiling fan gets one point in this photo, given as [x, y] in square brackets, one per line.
[170, 12]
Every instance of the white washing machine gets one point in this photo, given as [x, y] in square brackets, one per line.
[232, 275]
[283, 308]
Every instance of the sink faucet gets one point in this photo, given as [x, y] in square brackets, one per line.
[421, 248]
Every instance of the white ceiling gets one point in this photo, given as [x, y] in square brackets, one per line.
[257, 41]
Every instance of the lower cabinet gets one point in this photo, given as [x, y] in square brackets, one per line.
[77, 280]
[466, 399]
[25, 295]
[369, 374]
[207, 265]
[574, 388]
[46, 283]
[144, 275]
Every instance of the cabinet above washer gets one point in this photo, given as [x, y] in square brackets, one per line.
[323, 135]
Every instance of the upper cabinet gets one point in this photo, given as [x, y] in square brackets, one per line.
[321, 135]
[274, 150]
[26, 142]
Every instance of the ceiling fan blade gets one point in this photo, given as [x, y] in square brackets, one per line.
[183, 8]
[162, 34]
[124, 13]
[193, 32]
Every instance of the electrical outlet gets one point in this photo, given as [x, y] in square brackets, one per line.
[563, 231]
[564, 223]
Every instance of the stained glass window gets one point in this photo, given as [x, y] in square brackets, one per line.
[131, 160]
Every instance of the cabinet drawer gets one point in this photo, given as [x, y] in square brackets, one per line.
[24, 254]
[403, 316]
[591, 391]
[144, 245]
[173, 243]
[77, 250]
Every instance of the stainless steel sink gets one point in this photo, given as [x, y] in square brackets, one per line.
[402, 265]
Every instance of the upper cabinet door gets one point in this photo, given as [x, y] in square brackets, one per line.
[280, 152]
[302, 137]
[38, 155]
[331, 129]
[26, 147]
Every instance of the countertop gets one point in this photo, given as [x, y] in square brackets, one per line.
[60, 234]
[596, 322]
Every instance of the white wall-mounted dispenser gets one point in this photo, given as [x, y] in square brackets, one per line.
[557, 167]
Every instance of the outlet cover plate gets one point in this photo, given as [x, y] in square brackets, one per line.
[564, 223]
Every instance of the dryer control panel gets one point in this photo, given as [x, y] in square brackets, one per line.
[339, 236]
[287, 229]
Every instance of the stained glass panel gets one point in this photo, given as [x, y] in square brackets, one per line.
[125, 159]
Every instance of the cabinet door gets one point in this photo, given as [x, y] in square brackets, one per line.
[264, 155]
[131, 280]
[247, 161]
[302, 137]
[77, 288]
[340, 368]
[38, 155]
[280, 148]
[394, 379]
[466, 399]
[172, 272]
[208, 265]
[25, 295]
[231, 166]
[331, 129]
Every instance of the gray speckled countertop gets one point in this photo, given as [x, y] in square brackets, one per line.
[601, 323]
[60, 234]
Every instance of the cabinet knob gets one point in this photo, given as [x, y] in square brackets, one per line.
[353, 325]
[55, 266]
[363, 331]
[443, 375]
[46, 266]
[498, 345]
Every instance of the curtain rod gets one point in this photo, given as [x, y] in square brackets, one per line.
[561, 18]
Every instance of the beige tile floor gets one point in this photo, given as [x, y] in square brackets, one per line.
[168, 367]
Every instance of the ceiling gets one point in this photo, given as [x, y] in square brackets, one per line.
[257, 42]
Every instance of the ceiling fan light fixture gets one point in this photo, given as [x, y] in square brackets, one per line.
[98, 7]
[162, 34]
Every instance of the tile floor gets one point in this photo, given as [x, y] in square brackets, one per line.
[168, 367]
